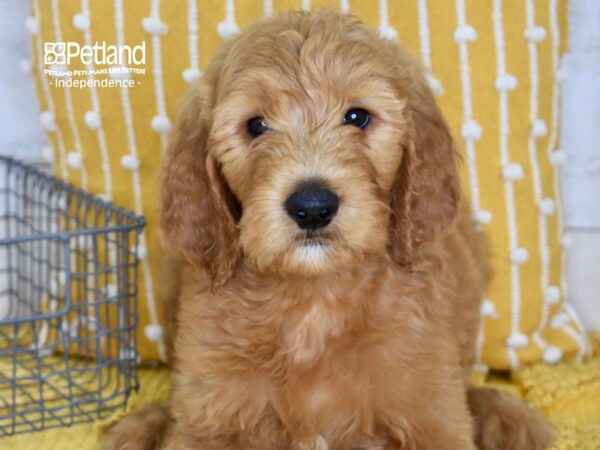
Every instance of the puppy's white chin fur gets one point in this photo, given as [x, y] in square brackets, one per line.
[311, 254]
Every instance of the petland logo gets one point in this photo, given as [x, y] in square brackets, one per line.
[119, 62]
[98, 54]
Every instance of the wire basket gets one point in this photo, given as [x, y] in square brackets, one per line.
[68, 302]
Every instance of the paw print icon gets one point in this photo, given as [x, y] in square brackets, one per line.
[55, 53]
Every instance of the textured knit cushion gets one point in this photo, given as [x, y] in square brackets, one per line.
[566, 394]
[492, 64]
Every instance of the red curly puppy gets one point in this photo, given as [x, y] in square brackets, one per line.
[313, 177]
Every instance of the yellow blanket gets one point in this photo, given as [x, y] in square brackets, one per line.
[568, 394]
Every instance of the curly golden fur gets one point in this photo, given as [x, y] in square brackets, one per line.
[357, 336]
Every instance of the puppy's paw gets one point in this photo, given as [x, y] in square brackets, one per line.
[319, 443]
[142, 430]
[503, 422]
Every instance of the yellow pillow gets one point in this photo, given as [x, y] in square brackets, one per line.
[493, 65]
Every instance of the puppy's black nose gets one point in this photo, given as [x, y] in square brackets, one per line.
[312, 206]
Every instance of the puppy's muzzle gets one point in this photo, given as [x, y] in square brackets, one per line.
[312, 205]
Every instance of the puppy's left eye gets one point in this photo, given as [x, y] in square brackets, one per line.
[257, 126]
[358, 117]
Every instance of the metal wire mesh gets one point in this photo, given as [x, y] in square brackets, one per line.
[68, 302]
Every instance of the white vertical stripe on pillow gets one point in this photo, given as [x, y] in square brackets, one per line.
[470, 129]
[192, 72]
[552, 142]
[509, 194]
[345, 6]
[228, 27]
[424, 40]
[468, 122]
[425, 45]
[267, 8]
[105, 164]
[39, 44]
[536, 178]
[159, 88]
[385, 30]
[58, 37]
[136, 183]
[580, 337]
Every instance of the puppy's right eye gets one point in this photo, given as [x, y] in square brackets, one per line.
[257, 126]
[358, 117]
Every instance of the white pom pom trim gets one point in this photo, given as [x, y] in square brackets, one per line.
[74, 160]
[539, 128]
[191, 75]
[91, 323]
[552, 295]
[161, 124]
[471, 130]
[141, 252]
[519, 255]
[81, 22]
[481, 368]
[388, 33]
[559, 320]
[47, 119]
[32, 25]
[92, 120]
[512, 172]
[62, 203]
[128, 354]
[464, 33]
[435, 85]
[547, 206]
[130, 162]
[535, 33]
[482, 216]
[84, 242]
[48, 153]
[227, 29]
[552, 355]
[517, 340]
[62, 277]
[506, 82]
[65, 328]
[154, 26]
[54, 288]
[558, 157]
[153, 332]
[488, 309]
[111, 290]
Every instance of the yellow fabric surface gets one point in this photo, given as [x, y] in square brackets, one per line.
[470, 47]
[154, 387]
[568, 394]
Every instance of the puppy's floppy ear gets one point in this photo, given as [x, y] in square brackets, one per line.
[425, 195]
[197, 208]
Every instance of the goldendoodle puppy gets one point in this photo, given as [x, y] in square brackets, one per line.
[333, 279]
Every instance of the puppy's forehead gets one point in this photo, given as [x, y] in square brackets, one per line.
[306, 56]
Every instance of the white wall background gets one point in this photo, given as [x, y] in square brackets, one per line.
[581, 116]
[20, 130]
[21, 135]
[581, 172]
